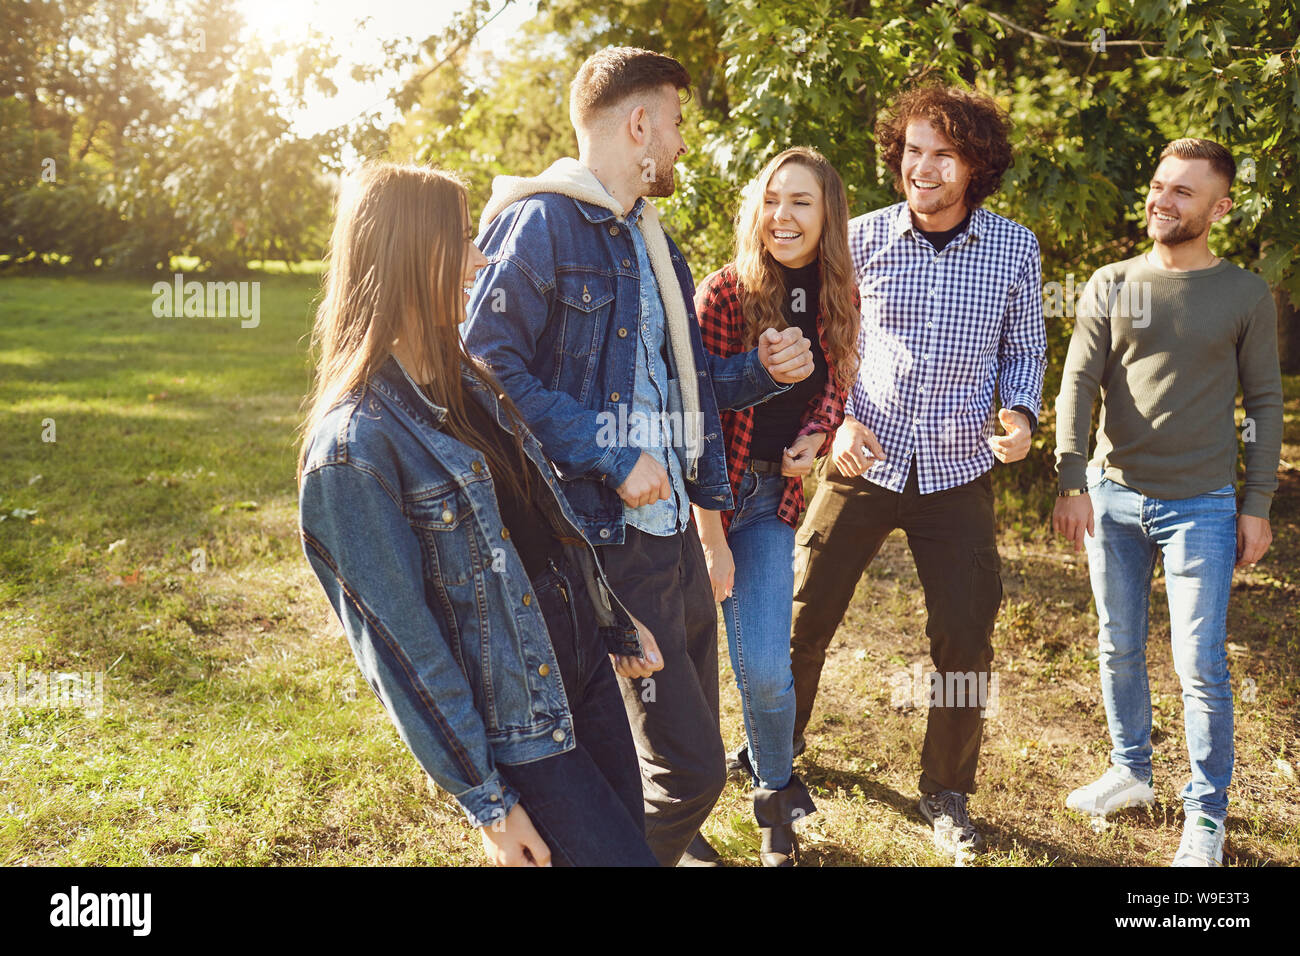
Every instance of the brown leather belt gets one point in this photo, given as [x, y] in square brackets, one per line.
[764, 467]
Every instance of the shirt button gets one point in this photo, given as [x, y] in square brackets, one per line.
[476, 466]
[613, 396]
[544, 669]
[447, 516]
[627, 262]
[934, 291]
[558, 736]
[528, 599]
[929, 325]
[505, 534]
[622, 333]
[613, 230]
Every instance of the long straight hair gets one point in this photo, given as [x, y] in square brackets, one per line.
[762, 287]
[394, 270]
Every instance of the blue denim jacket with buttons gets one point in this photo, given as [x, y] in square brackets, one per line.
[553, 314]
[399, 522]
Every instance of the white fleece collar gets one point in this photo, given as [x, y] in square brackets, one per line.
[568, 177]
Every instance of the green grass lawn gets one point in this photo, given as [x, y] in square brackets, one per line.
[155, 540]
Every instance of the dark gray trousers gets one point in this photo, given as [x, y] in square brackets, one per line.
[664, 583]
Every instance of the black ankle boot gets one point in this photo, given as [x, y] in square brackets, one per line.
[776, 812]
[780, 846]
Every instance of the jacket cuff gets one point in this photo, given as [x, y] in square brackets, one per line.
[1072, 472]
[617, 464]
[1256, 504]
[762, 380]
[489, 802]
[622, 641]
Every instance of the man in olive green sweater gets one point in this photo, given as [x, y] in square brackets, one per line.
[1166, 338]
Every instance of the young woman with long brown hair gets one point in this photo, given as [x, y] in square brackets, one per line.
[791, 268]
[475, 609]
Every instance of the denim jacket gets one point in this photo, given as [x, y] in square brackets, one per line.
[554, 314]
[399, 522]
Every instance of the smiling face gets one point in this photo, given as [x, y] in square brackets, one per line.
[1186, 197]
[793, 214]
[935, 176]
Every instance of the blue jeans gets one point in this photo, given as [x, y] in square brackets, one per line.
[1197, 539]
[758, 626]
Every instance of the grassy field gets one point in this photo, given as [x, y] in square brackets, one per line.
[155, 539]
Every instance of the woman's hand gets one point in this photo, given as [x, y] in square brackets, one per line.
[722, 568]
[797, 460]
[651, 660]
[515, 841]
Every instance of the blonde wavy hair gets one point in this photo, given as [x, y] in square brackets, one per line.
[761, 286]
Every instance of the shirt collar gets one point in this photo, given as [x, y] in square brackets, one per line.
[978, 221]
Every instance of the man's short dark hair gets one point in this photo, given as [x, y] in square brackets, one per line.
[1219, 158]
[975, 124]
[614, 73]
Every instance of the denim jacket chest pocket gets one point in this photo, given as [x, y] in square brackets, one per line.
[487, 601]
[585, 299]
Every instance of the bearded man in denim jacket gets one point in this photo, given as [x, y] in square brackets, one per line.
[585, 314]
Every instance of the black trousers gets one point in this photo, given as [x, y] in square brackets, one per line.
[586, 802]
[952, 538]
[664, 583]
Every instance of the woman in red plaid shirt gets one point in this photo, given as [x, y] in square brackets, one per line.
[792, 268]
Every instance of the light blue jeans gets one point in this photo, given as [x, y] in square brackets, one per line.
[1197, 540]
[758, 625]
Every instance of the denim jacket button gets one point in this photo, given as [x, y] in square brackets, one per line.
[613, 396]
[558, 736]
[505, 534]
[447, 516]
[476, 466]
[613, 230]
[626, 263]
[604, 532]
[528, 599]
[622, 333]
[494, 798]
[544, 669]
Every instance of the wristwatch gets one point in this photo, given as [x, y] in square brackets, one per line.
[1071, 492]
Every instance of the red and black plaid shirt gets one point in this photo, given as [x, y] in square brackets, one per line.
[717, 304]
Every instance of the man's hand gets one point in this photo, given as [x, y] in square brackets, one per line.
[1072, 516]
[787, 355]
[1254, 535]
[515, 841]
[1015, 444]
[647, 483]
[855, 448]
[797, 460]
[625, 665]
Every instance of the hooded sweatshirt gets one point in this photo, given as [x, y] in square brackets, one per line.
[568, 177]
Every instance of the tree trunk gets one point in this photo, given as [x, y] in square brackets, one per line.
[1288, 331]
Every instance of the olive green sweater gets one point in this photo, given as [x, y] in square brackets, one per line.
[1167, 351]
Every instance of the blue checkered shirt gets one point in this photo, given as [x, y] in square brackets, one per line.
[939, 332]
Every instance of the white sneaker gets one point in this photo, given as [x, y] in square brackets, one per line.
[1115, 789]
[1202, 843]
